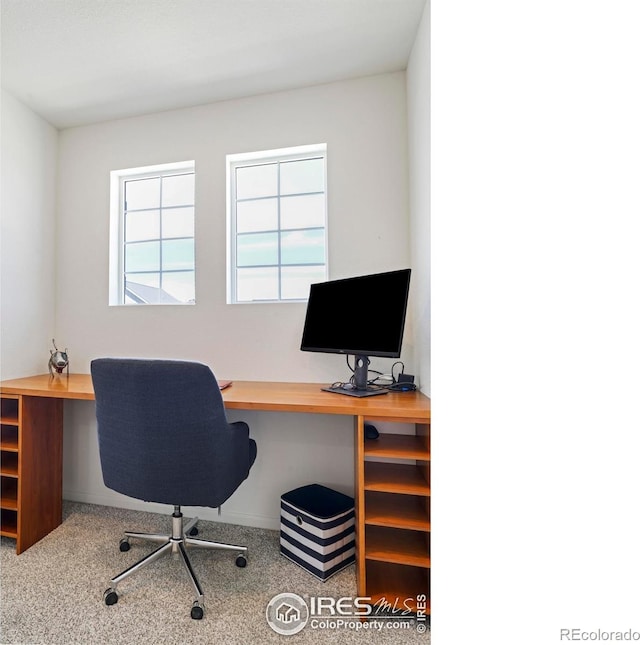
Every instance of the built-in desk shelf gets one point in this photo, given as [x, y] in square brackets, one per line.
[9, 456]
[393, 515]
[30, 467]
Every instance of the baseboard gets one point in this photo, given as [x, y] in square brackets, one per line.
[204, 513]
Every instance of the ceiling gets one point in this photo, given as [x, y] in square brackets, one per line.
[77, 62]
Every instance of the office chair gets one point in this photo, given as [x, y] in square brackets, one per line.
[164, 437]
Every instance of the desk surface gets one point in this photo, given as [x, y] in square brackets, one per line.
[250, 395]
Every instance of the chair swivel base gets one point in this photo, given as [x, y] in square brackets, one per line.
[175, 543]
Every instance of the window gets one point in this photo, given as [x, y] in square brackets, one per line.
[276, 224]
[152, 258]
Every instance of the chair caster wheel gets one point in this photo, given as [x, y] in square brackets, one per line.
[193, 531]
[241, 561]
[197, 612]
[124, 545]
[110, 597]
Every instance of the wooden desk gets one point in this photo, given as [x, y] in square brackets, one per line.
[392, 497]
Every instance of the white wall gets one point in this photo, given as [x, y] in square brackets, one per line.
[364, 124]
[27, 239]
[419, 128]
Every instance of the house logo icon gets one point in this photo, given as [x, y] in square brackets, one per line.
[287, 613]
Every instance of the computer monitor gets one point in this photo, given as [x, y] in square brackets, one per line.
[362, 316]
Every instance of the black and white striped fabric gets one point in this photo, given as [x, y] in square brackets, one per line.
[317, 529]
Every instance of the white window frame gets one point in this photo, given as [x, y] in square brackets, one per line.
[265, 157]
[116, 233]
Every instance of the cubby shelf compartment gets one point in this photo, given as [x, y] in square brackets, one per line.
[9, 410]
[398, 546]
[9, 464]
[9, 493]
[399, 585]
[395, 478]
[9, 523]
[396, 446]
[397, 511]
[9, 437]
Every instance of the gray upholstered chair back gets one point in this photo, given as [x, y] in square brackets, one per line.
[163, 433]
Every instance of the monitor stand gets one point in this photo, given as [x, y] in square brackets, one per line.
[360, 387]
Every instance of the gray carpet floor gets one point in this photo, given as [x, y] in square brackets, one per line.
[52, 593]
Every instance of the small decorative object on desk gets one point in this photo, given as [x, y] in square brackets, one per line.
[58, 360]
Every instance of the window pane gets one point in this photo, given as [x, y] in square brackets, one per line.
[296, 281]
[141, 287]
[257, 181]
[178, 222]
[142, 225]
[259, 215]
[303, 247]
[142, 256]
[180, 286]
[305, 176]
[278, 216]
[257, 248]
[257, 284]
[302, 212]
[142, 193]
[177, 254]
[156, 225]
[178, 190]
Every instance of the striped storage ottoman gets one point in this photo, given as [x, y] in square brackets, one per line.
[317, 529]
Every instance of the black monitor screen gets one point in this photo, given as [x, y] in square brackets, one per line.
[360, 316]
